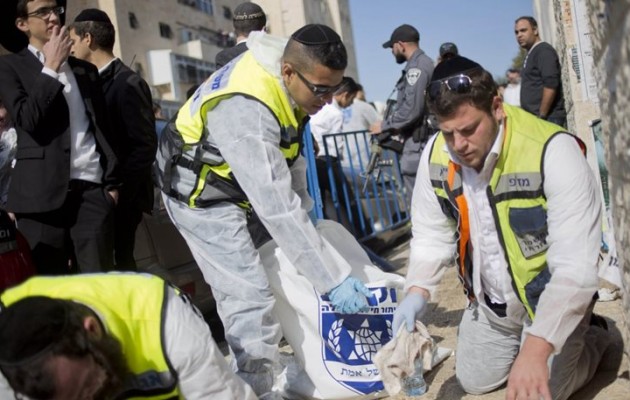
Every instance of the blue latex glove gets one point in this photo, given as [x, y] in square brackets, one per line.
[411, 308]
[350, 296]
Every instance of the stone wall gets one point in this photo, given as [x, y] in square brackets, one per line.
[610, 22]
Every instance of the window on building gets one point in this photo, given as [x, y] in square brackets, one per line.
[206, 6]
[227, 12]
[133, 21]
[165, 31]
[193, 71]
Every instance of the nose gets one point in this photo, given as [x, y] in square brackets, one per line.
[459, 142]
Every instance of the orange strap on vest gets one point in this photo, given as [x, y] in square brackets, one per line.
[464, 223]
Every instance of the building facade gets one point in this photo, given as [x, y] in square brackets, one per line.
[173, 43]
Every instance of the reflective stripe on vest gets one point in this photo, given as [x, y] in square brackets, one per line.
[194, 171]
[517, 200]
[121, 301]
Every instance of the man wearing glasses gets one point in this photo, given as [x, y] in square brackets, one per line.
[513, 198]
[233, 179]
[407, 118]
[64, 187]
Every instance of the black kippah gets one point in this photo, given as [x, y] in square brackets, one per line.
[453, 66]
[29, 328]
[92, 15]
[316, 34]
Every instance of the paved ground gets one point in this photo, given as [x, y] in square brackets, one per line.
[612, 381]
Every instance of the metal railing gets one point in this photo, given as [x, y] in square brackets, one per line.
[364, 189]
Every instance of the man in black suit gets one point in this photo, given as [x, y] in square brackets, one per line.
[64, 184]
[247, 17]
[130, 111]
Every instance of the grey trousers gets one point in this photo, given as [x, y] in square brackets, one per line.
[487, 346]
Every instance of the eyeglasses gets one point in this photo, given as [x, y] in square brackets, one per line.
[46, 12]
[459, 83]
[318, 90]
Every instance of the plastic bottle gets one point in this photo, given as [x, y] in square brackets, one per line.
[414, 385]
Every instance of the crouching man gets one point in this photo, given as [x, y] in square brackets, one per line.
[514, 198]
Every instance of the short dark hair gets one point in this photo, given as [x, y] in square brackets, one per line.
[36, 328]
[245, 26]
[22, 8]
[103, 33]
[305, 57]
[316, 44]
[481, 94]
[531, 20]
[348, 85]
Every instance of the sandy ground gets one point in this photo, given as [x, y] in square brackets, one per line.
[611, 382]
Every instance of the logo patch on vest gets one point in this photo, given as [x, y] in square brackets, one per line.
[530, 229]
[350, 341]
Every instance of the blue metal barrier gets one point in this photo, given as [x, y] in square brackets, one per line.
[367, 205]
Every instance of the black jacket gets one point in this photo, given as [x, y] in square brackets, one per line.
[40, 113]
[130, 111]
[226, 55]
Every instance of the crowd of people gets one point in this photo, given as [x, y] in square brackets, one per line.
[495, 183]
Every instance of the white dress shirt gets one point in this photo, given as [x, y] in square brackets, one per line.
[84, 159]
[327, 121]
[573, 219]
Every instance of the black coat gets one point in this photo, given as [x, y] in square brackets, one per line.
[40, 113]
[226, 55]
[130, 111]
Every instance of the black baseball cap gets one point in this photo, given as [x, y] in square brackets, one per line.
[248, 11]
[448, 48]
[404, 33]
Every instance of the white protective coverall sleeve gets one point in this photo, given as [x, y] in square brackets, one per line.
[201, 367]
[299, 183]
[251, 147]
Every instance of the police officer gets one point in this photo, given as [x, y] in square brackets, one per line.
[407, 117]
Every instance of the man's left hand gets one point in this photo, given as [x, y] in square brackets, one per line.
[529, 376]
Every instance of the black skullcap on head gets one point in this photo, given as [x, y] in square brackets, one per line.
[29, 327]
[92, 15]
[316, 34]
[453, 66]
[247, 11]
[448, 48]
[404, 33]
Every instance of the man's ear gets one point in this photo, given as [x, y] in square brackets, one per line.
[497, 108]
[22, 24]
[93, 327]
[287, 72]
